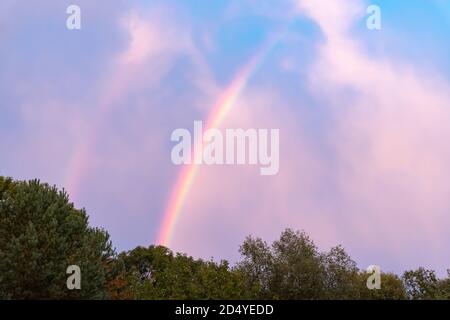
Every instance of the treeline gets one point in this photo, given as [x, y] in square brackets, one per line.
[41, 234]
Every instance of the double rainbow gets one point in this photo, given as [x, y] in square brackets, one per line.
[78, 163]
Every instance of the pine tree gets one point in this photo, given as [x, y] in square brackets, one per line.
[41, 234]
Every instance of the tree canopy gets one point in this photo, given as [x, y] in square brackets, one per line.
[42, 233]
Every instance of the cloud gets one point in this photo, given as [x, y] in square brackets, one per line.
[364, 153]
[91, 111]
[139, 102]
[155, 42]
[376, 183]
[227, 203]
[390, 138]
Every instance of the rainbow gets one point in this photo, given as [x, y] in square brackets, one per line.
[216, 117]
[79, 161]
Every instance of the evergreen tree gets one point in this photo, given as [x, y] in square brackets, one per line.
[41, 235]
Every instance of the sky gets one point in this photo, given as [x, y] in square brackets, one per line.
[363, 117]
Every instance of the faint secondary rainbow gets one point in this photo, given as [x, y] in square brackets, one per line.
[187, 176]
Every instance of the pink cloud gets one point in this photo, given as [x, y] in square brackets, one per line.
[385, 197]
[155, 41]
[391, 140]
[227, 203]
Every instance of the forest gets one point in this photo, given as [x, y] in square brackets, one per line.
[42, 233]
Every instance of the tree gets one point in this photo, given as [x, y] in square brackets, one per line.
[392, 288]
[293, 268]
[297, 271]
[41, 234]
[257, 266]
[290, 269]
[444, 287]
[156, 273]
[421, 284]
[340, 275]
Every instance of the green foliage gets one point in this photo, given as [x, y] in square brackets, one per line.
[292, 268]
[423, 284]
[444, 287]
[257, 266]
[392, 288]
[340, 275]
[41, 234]
[156, 273]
